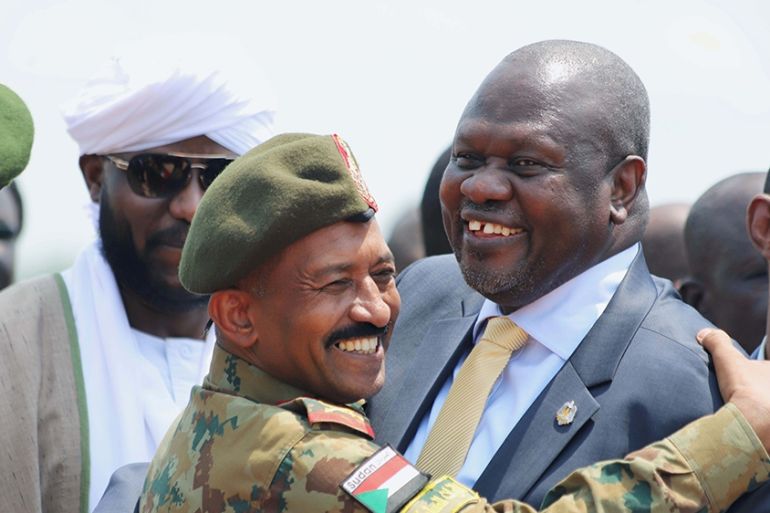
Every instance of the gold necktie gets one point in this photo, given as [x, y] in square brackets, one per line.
[450, 437]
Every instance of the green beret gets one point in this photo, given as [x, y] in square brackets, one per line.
[16, 132]
[272, 196]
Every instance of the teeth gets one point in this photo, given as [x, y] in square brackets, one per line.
[492, 228]
[366, 345]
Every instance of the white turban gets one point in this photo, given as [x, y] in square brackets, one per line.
[161, 92]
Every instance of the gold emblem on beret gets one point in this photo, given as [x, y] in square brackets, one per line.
[355, 171]
[566, 414]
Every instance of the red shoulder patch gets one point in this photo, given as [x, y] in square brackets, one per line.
[319, 412]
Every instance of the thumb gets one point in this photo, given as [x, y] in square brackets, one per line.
[719, 344]
[727, 359]
[742, 382]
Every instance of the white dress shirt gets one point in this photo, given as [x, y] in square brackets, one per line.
[760, 351]
[557, 322]
[181, 362]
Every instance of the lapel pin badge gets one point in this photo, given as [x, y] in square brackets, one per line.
[566, 414]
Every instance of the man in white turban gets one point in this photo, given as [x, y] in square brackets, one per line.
[98, 360]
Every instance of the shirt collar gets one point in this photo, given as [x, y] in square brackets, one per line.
[760, 351]
[561, 319]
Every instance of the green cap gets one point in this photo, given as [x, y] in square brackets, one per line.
[16, 132]
[272, 196]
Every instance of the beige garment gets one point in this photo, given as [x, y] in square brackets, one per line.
[40, 434]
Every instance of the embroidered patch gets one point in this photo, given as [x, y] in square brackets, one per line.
[444, 495]
[355, 171]
[384, 482]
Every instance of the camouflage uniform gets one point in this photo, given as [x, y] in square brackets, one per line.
[247, 443]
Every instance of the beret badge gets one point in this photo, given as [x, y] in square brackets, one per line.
[355, 171]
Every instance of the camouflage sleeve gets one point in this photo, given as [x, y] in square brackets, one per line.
[705, 466]
[726, 456]
[309, 478]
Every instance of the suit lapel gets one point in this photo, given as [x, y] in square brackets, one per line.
[598, 355]
[434, 360]
[537, 440]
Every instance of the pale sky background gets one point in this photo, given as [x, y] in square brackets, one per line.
[392, 77]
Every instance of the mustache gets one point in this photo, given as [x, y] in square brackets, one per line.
[172, 236]
[467, 205]
[355, 331]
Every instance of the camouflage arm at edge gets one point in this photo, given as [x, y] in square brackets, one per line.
[705, 466]
[726, 455]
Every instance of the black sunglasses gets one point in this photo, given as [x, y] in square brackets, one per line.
[161, 175]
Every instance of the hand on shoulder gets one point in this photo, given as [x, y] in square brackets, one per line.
[742, 381]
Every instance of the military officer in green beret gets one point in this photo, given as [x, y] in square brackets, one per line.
[16, 133]
[303, 299]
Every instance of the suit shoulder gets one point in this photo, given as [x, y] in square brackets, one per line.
[664, 352]
[439, 271]
[433, 284]
[673, 319]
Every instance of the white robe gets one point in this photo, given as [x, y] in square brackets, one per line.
[130, 404]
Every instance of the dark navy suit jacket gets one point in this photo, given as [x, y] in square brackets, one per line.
[637, 376]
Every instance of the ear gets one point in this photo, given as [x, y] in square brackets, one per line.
[92, 167]
[691, 291]
[231, 311]
[758, 223]
[628, 179]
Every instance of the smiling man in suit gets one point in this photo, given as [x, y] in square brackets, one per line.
[544, 204]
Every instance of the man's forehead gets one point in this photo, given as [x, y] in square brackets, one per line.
[342, 244]
[520, 102]
[512, 91]
[479, 125]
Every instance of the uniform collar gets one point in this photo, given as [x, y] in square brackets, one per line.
[231, 374]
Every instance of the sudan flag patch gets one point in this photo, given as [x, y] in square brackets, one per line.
[385, 482]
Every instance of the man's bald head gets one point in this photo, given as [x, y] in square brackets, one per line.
[663, 241]
[599, 85]
[728, 282]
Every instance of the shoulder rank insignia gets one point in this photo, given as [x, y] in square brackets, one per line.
[566, 414]
[320, 412]
[384, 482]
